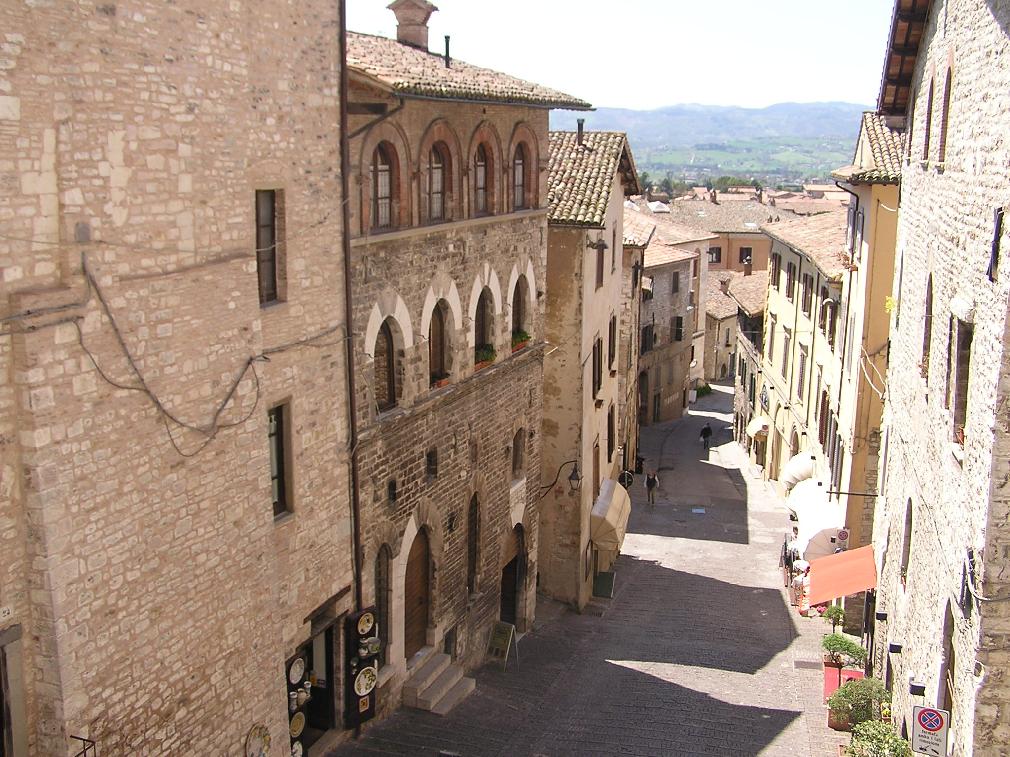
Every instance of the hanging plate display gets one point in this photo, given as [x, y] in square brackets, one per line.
[296, 749]
[365, 681]
[257, 742]
[365, 623]
[297, 671]
[297, 724]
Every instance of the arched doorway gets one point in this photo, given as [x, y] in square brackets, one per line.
[794, 445]
[416, 594]
[513, 575]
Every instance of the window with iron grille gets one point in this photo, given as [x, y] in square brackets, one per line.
[437, 344]
[269, 230]
[436, 184]
[382, 187]
[277, 440]
[519, 178]
[678, 329]
[384, 364]
[480, 174]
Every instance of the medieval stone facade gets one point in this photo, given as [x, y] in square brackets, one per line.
[940, 530]
[158, 567]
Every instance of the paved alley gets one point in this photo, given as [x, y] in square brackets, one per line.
[698, 653]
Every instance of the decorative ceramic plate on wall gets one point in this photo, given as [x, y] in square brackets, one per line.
[297, 724]
[365, 681]
[257, 742]
[296, 749]
[365, 623]
[297, 671]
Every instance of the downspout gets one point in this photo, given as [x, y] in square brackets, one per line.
[345, 240]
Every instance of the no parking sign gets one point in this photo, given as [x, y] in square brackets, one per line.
[929, 731]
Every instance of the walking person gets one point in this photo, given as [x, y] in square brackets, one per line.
[706, 434]
[651, 484]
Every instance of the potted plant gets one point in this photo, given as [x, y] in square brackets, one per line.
[519, 340]
[876, 739]
[835, 615]
[838, 648]
[439, 380]
[483, 356]
[856, 702]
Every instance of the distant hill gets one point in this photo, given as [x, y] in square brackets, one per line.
[786, 142]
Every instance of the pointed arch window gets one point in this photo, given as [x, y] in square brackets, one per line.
[385, 368]
[382, 187]
[927, 329]
[480, 180]
[483, 334]
[518, 454]
[472, 542]
[519, 178]
[438, 364]
[929, 122]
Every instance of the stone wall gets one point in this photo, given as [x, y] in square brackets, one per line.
[158, 596]
[956, 496]
[667, 364]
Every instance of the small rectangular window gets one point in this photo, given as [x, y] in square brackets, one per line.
[277, 438]
[647, 341]
[964, 336]
[597, 366]
[610, 434]
[675, 286]
[431, 463]
[997, 233]
[612, 342]
[600, 246]
[715, 254]
[269, 243]
[678, 329]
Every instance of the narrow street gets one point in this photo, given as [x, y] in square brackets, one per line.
[699, 652]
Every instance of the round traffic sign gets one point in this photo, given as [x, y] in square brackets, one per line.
[843, 535]
[931, 720]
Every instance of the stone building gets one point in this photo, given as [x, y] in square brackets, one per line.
[669, 318]
[638, 231]
[941, 535]
[174, 515]
[720, 326]
[750, 399]
[582, 525]
[449, 238]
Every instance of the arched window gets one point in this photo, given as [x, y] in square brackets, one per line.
[382, 187]
[927, 329]
[906, 542]
[519, 178]
[520, 333]
[945, 114]
[472, 542]
[518, 454]
[436, 183]
[383, 588]
[385, 368]
[929, 122]
[481, 188]
[483, 329]
[438, 344]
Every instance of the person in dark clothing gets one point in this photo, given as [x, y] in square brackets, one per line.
[706, 434]
[651, 484]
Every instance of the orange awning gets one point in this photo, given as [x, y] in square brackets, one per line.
[842, 574]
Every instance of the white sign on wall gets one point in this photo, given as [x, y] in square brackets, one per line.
[929, 731]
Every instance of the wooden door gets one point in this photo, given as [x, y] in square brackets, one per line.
[416, 595]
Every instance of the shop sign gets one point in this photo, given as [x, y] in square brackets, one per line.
[361, 656]
[502, 639]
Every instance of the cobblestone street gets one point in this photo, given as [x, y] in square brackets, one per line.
[698, 653]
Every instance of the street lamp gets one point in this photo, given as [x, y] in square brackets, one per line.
[574, 478]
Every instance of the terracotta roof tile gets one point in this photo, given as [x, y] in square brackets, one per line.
[881, 163]
[750, 292]
[660, 252]
[724, 218]
[638, 228]
[718, 303]
[581, 175]
[820, 238]
[411, 71]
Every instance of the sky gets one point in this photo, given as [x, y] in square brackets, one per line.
[644, 55]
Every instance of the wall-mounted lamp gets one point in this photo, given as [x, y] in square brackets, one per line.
[599, 245]
[575, 478]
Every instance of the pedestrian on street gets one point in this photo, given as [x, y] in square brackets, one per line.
[706, 434]
[651, 484]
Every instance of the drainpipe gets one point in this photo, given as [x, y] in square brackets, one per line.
[345, 239]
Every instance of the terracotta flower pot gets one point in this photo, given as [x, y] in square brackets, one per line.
[838, 721]
[520, 345]
[481, 364]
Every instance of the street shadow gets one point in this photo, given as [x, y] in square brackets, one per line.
[590, 685]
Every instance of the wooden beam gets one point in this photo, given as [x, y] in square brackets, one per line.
[367, 109]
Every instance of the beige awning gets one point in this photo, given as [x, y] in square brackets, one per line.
[609, 518]
[758, 426]
[647, 283]
[799, 468]
[818, 517]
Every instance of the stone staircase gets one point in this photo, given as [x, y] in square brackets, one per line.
[436, 684]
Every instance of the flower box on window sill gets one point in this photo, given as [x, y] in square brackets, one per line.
[481, 365]
[438, 383]
[520, 345]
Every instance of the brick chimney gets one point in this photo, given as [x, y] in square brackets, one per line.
[724, 285]
[412, 21]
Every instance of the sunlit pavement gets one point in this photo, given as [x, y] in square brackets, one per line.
[698, 653]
